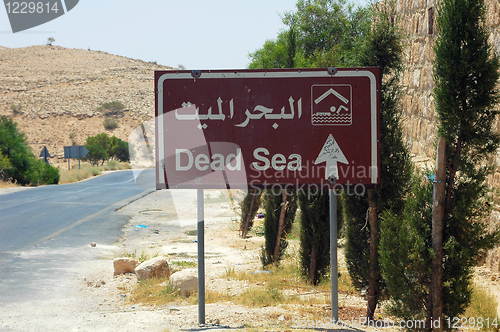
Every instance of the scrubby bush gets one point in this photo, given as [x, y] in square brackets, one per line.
[110, 123]
[16, 108]
[113, 108]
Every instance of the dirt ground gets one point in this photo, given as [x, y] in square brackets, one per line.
[94, 300]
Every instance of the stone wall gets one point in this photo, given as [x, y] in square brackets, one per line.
[416, 20]
[417, 101]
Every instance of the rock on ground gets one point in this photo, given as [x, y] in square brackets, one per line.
[186, 281]
[154, 268]
[124, 265]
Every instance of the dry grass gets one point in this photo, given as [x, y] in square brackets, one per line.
[4, 184]
[282, 285]
[483, 306]
[142, 257]
[87, 171]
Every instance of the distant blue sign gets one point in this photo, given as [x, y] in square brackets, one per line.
[75, 151]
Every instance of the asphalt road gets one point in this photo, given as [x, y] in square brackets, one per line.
[40, 229]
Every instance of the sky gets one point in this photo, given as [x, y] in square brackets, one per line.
[197, 34]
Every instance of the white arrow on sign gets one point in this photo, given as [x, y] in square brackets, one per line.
[331, 154]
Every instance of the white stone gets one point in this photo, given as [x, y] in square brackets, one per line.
[154, 268]
[185, 280]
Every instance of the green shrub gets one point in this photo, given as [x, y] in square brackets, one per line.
[5, 165]
[122, 151]
[26, 168]
[110, 123]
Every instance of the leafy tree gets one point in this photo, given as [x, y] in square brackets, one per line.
[109, 144]
[102, 147]
[96, 154]
[5, 165]
[274, 53]
[382, 49]
[249, 207]
[280, 213]
[122, 151]
[25, 168]
[329, 31]
[321, 33]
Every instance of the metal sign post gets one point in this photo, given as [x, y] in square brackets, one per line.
[333, 255]
[201, 257]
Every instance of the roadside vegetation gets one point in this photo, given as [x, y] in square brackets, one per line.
[281, 286]
[18, 163]
[103, 148]
[19, 166]
[87, 171]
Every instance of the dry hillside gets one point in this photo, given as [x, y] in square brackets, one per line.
[61, 89]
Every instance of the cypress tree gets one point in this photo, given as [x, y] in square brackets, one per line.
[465, 76]
[383, 49]
[249, 207]
[278, 205]
[405, 256]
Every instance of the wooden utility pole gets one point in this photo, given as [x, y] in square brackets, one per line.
[438, 207]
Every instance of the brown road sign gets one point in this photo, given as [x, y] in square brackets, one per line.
[261, 128]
